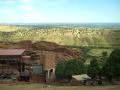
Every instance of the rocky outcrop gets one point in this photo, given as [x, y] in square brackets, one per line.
[40, 49]
[53, 47]
[26, 44]
[45, 46]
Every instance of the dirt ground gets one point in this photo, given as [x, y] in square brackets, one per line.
[28, 86]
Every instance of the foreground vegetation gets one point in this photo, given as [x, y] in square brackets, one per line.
[110, 69]
[65, 69]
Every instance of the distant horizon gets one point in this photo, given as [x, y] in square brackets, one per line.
[62, 23]
[82, 25]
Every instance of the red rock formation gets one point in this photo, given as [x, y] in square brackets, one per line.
[50, 46]
[26, 44]
[44, 48]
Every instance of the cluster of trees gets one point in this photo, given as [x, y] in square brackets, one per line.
[110, 70]
[65, 69]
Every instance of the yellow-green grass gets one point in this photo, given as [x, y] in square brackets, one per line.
[98, 52]
[6, 28]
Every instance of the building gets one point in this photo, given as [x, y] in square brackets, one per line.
[43, 67]
[12, 64]
[79, 79]
[24, 65]
[49, 67]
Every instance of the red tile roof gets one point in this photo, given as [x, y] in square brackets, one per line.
[10, 52]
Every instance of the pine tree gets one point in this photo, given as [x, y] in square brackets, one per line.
[61, 69]
[111, 69]
[93, 68]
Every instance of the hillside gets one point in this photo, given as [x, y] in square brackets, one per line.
[63, 35]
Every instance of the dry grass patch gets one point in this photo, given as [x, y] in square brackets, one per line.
[52, 87]
[98, 52]
[7, 28]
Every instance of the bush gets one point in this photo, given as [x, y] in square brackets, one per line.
[65, 69]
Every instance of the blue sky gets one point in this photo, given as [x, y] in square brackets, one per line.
[59, 11]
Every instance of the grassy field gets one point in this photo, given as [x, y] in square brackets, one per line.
[51, 87]
[98, 52]
[7, 28]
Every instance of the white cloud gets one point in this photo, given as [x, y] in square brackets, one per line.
[53, 2]
[6, 10]
[26, 7]
[26, 1]
[29, 17]
[7, 2]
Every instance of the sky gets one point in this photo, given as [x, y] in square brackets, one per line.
[59, 11]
